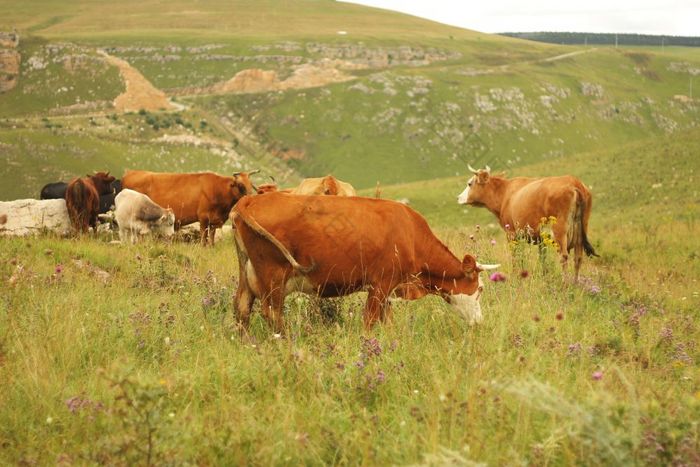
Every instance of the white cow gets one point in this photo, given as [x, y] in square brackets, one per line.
[136, 214]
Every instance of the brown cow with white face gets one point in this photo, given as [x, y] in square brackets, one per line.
[333, 245]
[520, 203]
[203, 197]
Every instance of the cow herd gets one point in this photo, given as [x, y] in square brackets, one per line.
[321, 238]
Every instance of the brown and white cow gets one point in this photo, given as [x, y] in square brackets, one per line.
[137, 215]
[83, 199]
[203, 197]
[521, 203]
[332, 246]
[328, 185]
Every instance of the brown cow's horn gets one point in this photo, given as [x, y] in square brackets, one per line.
[253, 172]
[488, 267]
[472, 169]
[236, 174]
[488, 169]
[272, 178]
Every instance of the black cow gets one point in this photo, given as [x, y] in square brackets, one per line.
[57, 190]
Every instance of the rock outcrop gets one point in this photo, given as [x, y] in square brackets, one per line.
[33, 216]
[9, 61]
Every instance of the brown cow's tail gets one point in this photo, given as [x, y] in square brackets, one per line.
[577, 230]
[76, 200]
[260, 230]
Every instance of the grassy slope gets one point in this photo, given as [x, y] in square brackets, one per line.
[343, 130]
[517, 388]
[390, 122]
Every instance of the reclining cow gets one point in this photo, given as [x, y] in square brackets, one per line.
[521, 203]
[333, 246]
[137, 215]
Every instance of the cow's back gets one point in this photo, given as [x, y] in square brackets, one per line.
[529, 200]
[180, 192]
[342, 236]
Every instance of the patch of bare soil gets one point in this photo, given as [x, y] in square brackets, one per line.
[255, 80]
[139, 93]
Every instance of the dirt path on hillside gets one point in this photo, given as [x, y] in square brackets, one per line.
[566, 55]
[139, 93]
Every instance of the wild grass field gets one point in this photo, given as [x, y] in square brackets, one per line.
[117, 354]
[127, 355]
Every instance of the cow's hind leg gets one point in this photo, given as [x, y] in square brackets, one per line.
[272, 303]
[562, 241]
[245, 296]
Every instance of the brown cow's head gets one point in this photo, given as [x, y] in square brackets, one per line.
[241, 184]
[329, 186]
[465, 294]
[103, 182]
[476, 185]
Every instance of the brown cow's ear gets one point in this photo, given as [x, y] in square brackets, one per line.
[469, 264]
[482, 177]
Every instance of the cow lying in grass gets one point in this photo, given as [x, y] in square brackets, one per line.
[332, 246]
[521, 203]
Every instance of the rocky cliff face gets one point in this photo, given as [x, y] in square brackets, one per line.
[9, 61]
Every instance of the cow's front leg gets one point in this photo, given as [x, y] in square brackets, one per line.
[377, 300]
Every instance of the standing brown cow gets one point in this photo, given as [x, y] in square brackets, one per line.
[83, 199]
[336, 245]
[204, 197]
[520, 203]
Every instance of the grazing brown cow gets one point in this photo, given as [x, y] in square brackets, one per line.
[520, 203]
[328, 185]
[83, 199]
[333, 246]
[205, 197]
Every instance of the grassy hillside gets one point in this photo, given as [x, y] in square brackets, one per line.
[419, 98]
[120, 354]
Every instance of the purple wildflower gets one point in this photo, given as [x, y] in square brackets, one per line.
[493, 242]
[497, 277]
[524, 274]
[59, 269]
[574, 348]
[597, 375]
[381, 377]
[371, 347]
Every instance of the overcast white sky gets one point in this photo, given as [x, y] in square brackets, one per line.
[669, 17]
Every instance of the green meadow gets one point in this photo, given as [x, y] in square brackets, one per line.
[119, 354]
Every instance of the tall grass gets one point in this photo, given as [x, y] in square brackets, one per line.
[124, 354]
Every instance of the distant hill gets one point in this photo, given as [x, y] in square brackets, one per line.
[310, 87]
[593, 38]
